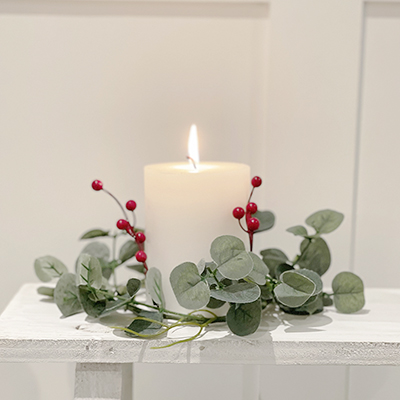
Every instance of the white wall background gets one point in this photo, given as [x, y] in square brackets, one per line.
[305, 91]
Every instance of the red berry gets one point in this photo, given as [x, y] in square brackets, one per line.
[251, 208]
[130, 205]
[256, 181]
[97, 185]
[141, 256]
[238, 213]
[140, 237]
[253, 224]
[122, 224]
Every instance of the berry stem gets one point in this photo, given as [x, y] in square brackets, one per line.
[251, 194]
[122, 208]
[240, 224]
[251, 234]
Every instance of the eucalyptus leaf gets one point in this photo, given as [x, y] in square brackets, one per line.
[315, 256]
[325, 221]
[237, 267]
[146, 327]
[49, 267]
[244, 319]
[128, 250]
[266, 292]
[66, 295]
[314, 277]
[190, 290]
[281, 268]
[99, 250]
[154, 286]
[267, 220]
[298, 230]
[272, 258]
[224, 248]
[114, 305]
[294, 290]
[89, 271]
[214, 303]
[92, 308]
[201, 265]
[94, 233]
[137, 267]
[260, 271]
[348, 292]
[313, 305]
[243, 292]
[133, 286]
[46, 291]
[327, 300]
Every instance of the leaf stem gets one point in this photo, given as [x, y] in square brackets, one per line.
[301, 256]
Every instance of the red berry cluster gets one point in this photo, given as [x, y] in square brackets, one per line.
[124, 225]
[252, 223]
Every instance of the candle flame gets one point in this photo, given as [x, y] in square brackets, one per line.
[193, 146]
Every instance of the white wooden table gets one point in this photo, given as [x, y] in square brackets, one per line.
[31, 330]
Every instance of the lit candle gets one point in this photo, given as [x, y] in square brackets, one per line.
[187, 206]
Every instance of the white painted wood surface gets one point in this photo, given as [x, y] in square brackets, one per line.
[31, 330]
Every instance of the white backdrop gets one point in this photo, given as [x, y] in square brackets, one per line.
[305, 91]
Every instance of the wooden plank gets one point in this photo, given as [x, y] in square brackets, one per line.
[32, 330]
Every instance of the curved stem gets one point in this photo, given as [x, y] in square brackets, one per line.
[122, 208]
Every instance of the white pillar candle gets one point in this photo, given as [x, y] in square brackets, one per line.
[186, 209]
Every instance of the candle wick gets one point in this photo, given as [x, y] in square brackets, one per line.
[193, 162]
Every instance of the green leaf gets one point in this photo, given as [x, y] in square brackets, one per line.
[243, 292]
[316, 257]
[94, 233]
[260, 271]
[281, 268]
[267, 220]
[313, 305]
[128, 250]
[201, 265]
[214, 303]
[66, 295]
[189, 288]
[98, 250]
[146, 327]
[46, 291]
[137, 267]
[92, 308]
[133, 286]
[237, 267]
[266, 292]
[325, 221]
[89, 271]
[348, 290]
[49, 267]
[154, 286]
[314, 277]
[224, 248]
[244, 319]
[298, 230]
[294, 290]
[327, 300]
[272, 258]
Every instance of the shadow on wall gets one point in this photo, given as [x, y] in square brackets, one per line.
[161, 9]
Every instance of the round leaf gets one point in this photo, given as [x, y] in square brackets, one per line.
[154, 286]
[237, 267]
[314, 277]
[243, 292]
[260, 271]
[46, 291]
[49, 267]
[313, 305]
[94, 233]
[89, 271]
[223, 248]
[348, 290]
[272, 258]
[98, 250]
[133, 286]
[244, 319]
[66, 295]
[128, 250]
[294, 290]
[190, 290]
[146, 327]
[92, 308]
[267, 220]
[214, 303]
[281, 268]
[298, 230]
[316, 257]
[325, 221]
